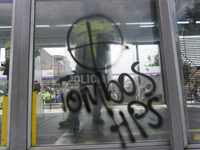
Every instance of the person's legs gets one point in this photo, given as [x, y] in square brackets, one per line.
[96, 112]
[195, 99]
[47, 101]
[72, 116]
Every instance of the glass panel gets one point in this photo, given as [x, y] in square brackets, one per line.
[188, 44]
[5, 32]
[87, 78]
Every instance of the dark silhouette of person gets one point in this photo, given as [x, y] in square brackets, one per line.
[102, 31]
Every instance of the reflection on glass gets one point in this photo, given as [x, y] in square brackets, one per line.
[188, 44]
[5, 32]
[85, 77]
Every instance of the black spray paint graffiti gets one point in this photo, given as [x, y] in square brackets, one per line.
[86, 95]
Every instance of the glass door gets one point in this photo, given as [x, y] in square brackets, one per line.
[95, 83]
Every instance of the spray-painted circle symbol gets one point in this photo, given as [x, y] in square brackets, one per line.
[85, 23]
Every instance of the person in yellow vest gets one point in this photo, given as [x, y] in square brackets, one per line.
[43, 92]
[47, 97]
[102, 31]
[67, 90]
[1, 101]
[1, 98]
[7, 55]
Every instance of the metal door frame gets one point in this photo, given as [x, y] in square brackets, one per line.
[21, 74]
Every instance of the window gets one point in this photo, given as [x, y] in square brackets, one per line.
[5, 32]
[188, 48]
[72, 64]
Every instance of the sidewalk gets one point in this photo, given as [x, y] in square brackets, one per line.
[49, 132]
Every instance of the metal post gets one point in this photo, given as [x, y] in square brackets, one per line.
[171, 76]
[50, 96]
[137, 57]
[19, 76]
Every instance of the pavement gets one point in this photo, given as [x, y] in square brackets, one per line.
[49, 132]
